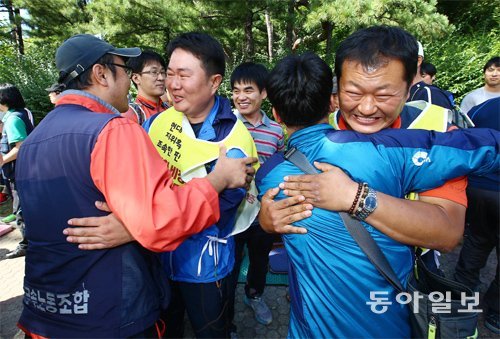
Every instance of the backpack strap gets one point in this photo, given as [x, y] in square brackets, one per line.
[139, 113]
[429, 94]
[362, 237]
[414, 93]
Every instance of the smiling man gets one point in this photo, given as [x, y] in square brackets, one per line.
[331, 279]
[375, 67]
[148, 76]
[248, 83]
[187, 135]
[71, 160]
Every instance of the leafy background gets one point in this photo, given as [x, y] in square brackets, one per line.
[458, 36]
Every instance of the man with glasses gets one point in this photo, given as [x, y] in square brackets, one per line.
[148, 77]
[77, 150]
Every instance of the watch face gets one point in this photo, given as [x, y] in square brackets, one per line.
[370, 202]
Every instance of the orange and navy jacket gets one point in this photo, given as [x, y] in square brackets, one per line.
[83, 151]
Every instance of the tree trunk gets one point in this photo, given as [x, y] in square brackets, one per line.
[270, 41]
[327, 31]
[249, 46]
[15, 23]
[289, 25]
[19, 31]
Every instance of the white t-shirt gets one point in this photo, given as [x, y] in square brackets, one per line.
[476, 97]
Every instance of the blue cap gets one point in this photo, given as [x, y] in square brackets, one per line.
[81, 51]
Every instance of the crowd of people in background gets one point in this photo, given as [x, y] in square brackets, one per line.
[179, 183]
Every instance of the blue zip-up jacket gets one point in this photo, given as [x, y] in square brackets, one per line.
[331, 278]
[110, 293]
[214, 258]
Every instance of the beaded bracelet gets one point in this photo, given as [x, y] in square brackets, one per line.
[356, 199]
[366, 189]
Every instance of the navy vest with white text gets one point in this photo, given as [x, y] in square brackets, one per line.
[71, 292]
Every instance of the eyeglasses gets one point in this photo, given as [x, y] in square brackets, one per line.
[127, 69]
[155, 73]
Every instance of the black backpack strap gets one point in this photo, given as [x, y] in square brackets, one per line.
[414, 93]
[139, 113]
[354, 227]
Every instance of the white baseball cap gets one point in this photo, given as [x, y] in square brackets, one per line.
[420, 49]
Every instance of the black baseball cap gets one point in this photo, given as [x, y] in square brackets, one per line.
[81, 51]
[56, 87]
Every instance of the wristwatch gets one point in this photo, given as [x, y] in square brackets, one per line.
[367, 205]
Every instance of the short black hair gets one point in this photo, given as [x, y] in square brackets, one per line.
[428, 68]
[299, 88]
[373, 46]
[137, 64]
[11, 97]
[83, 81]
[493, 61]
[204, 47]
[249, 72]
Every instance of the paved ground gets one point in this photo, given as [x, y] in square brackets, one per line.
[11, 273]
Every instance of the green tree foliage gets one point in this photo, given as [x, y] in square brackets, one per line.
[458, 36]
[31, 73]
[52, 21]
[460, 55]
[11, 27]
[143, 23]
[330, 21]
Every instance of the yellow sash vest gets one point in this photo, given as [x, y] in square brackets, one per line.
[432, 117]
[186, 155]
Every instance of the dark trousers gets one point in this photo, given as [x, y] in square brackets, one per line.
[206, 305]
[10, 184]
[481, 237]
[259, 244]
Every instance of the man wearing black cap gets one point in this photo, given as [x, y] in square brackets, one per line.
[85, 152]
[54, 90]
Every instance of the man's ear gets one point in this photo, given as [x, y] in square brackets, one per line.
[420, 59]
[263, 94]
[135, 78]
[98, 75]
[276, 116]
[334, 102]
[216, 80]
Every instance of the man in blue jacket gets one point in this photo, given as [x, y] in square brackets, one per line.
[187, 135]
[331, 279]
[71, 160]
